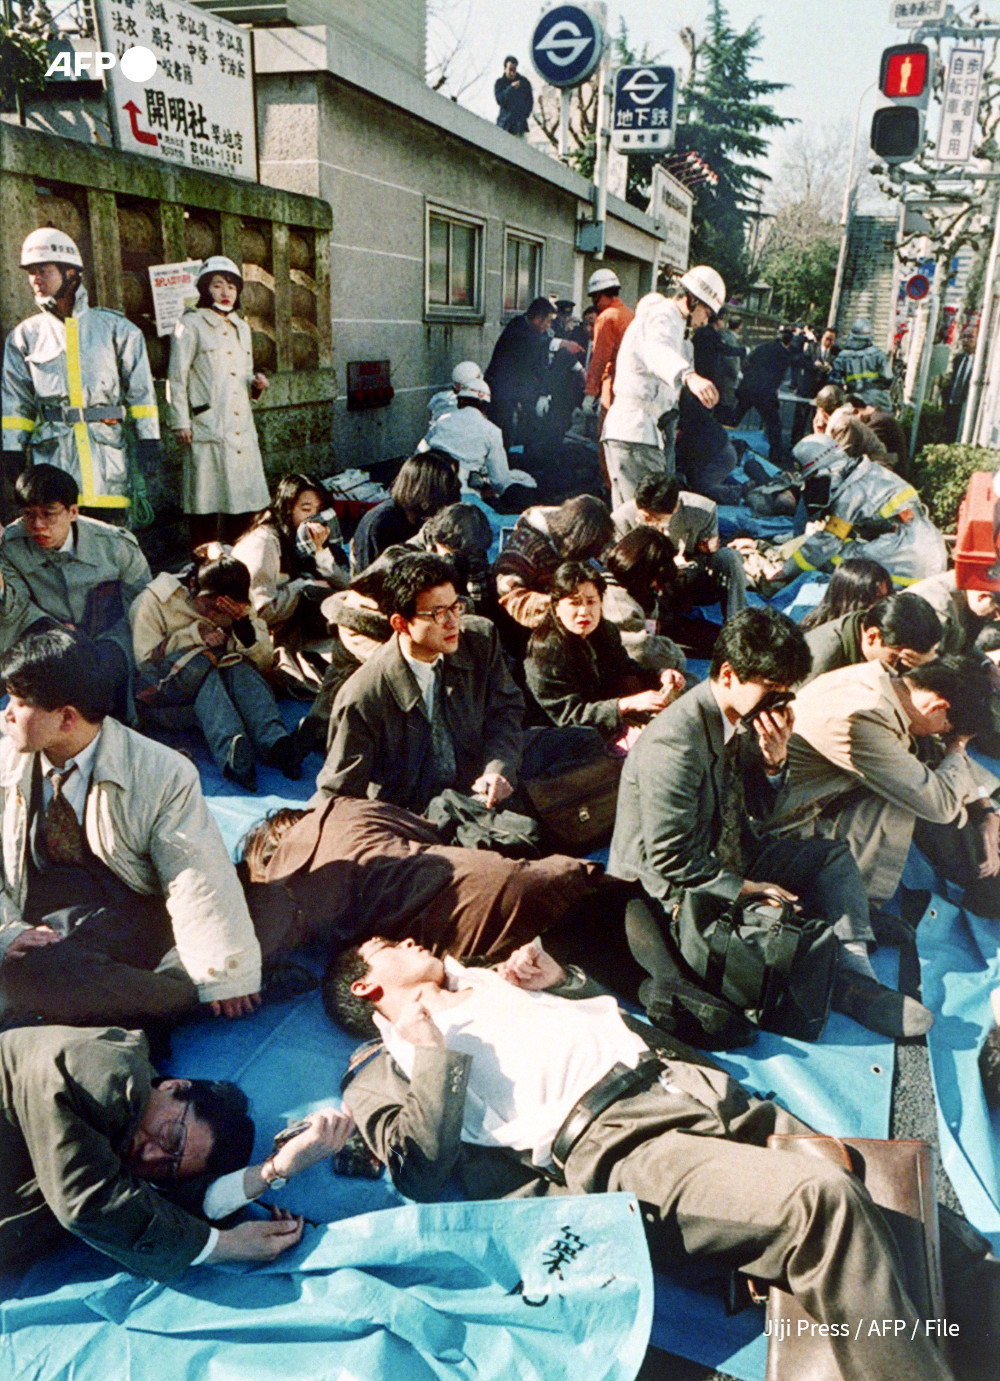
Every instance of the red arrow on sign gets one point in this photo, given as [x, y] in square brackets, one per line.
[140, 135]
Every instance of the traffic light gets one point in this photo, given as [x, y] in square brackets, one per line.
[905, 78]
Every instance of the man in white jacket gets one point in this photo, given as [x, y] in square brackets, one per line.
[120, 903]
[653, 366]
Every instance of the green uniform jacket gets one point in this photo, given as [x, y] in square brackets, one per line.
[70, 1097]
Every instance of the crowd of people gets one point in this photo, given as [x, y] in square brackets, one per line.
[796, 775]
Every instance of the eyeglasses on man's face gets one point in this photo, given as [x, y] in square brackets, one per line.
[172, 1141]
[441, 613]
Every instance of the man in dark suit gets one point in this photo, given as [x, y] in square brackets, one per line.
[763, 373]
[518, 369]
[434, 708]
[704, 775]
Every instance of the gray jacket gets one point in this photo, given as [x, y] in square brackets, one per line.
[670, 801]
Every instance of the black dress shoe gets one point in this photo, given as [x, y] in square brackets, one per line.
[989, 1067]
[878, 1008]
[286, 755]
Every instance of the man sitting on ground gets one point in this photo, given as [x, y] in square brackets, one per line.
[119, 901]
[76, 572]
[543, 538]
[708, 571]
[434, 708]
[854, 774]
[901, 630]
[705, 773]
[94, 1143]
[523, 1091]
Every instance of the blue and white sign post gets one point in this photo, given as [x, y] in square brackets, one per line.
[645, 114]
[567, 45]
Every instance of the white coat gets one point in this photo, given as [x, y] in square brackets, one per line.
[95, 363]
[650, 368]
[211, 369]
[147, 821]
[477, 445]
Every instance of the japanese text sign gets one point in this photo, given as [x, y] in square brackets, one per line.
[198, 107]
[960, 107]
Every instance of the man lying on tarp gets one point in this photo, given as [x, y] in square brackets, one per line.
[93, 1142]
[525, 1092]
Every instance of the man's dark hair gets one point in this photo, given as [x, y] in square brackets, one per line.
[964, 682]
[540, 306]
[353, 1013]
[786, 335]
[762, 645]
[581, 528]
[461, 527]
[510, 58]
[643, 563]
[427, 482]
[657, 493]
[735, 323]
[57, 668]
[224, 1107]
[46, 484]
[411, 575]
[904, 620]
[988, 639]
[222, 576]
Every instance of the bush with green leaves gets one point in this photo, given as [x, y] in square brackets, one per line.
[942, 476]
[23, 62]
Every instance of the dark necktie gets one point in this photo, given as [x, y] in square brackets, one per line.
[729, 849]
[64, 838]
[442, 745]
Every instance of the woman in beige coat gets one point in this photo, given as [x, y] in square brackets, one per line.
[210, 384]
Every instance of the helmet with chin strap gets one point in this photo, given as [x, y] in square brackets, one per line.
[706, 285]
[218, 263]
[50, 246]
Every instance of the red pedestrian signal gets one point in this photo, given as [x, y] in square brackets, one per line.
[905, 74]
[904, 77]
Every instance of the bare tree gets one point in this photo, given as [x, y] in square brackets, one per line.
[451, 69]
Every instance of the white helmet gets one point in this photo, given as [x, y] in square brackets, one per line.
[464, 373]
[475, 388]
[706, 285]
[50, 246]
[218, 263]
[603, 281]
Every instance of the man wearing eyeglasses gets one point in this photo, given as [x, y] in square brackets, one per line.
[434, 708]
[93, 1143]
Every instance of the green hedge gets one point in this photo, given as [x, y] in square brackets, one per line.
[942, 476]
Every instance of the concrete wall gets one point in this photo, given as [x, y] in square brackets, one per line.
[381, 157]
[127, 212]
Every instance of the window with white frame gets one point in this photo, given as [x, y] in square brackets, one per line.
[454, 260]
[522, 274]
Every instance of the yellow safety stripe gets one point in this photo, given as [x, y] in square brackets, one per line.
[18, 424]
[897, 502]
[905, 579]
[75, 382]
[105, 501]
[800, 560]
[143, 410]
[838, 527]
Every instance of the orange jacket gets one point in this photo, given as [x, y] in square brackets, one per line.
[608, 331]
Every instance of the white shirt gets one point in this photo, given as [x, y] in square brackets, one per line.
[78, 783]
[515, 1098]
[425, 678]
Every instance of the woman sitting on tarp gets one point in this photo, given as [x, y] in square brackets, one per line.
[579, 672]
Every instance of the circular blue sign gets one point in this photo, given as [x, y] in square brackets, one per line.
[918, 287]
[566, 46]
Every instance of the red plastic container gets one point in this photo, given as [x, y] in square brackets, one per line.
[976, 551]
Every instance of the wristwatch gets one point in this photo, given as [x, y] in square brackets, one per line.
[275, 1181]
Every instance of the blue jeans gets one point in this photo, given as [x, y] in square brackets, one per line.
[227, 701]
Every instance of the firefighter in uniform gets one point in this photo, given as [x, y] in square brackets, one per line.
[72, 374]
[867, 511]
[862, 367]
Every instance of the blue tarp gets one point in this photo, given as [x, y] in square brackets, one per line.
[436, 1292]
